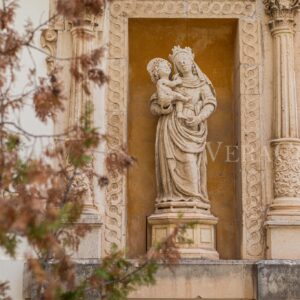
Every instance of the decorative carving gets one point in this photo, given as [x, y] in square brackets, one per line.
[273, 6]
[120, 11]
[48, 41]
[142, 8]
[249, 35]
[287, 169]
[224, 8]
[250, 58]
[282, 13]
[253, 207]
[115, 193]
[81, 187]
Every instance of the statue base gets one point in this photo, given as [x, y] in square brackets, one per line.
[199, 239]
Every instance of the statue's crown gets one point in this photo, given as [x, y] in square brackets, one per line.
[177, 49]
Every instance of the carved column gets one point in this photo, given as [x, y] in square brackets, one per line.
[83, 39]
[83, 42]
[283, 219]
[64, 38]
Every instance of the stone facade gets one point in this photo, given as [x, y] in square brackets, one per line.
[267, 174]
[251, 91]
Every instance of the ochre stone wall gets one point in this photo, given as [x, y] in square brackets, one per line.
[213, 42]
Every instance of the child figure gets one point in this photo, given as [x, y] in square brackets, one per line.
[160, 71]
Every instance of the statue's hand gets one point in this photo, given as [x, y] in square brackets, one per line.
[178, 81]
[165, 110]
[176, 77]
[193, 121]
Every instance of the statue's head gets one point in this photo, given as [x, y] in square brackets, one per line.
[158, 68]
[183, 59]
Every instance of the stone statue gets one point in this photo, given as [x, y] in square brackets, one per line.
[181, 131]
[160, 71]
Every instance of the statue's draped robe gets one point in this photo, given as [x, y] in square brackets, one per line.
[180, 150]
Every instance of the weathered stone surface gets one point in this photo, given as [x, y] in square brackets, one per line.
[203, 279]
[278, 280]
[208, 279]
[83, 270]
[191, 279]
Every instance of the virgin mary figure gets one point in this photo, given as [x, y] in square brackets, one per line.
[180, 153]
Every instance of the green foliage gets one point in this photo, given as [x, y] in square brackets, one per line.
[76, 294]
[13, 142]
[21, 173]
[9, 242]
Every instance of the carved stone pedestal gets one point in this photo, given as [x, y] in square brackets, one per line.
[283, 239]
[283, 219]
[200, 235]
[90, 244]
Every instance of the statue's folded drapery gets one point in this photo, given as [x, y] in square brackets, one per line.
[180, 148]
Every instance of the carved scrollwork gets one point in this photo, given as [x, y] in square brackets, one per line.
[48, 41]
[253, 206]
[246, 8]
[286, 169]
[114, 215]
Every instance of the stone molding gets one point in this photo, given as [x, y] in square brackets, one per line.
[250, 99]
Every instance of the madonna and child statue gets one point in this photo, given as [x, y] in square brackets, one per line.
[184, 99]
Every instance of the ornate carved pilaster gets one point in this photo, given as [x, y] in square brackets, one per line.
[286, 133]
[66, 39]
[285, 208]
[83, 39]
[83, 42]
[282, 28]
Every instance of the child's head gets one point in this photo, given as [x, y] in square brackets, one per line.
[159, 67]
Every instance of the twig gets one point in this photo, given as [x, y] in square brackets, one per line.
[4, 5]
[35, 135]
[50, 55]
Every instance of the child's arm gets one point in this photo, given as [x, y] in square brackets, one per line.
[180, 97]
[175, 82]
[170, 83]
